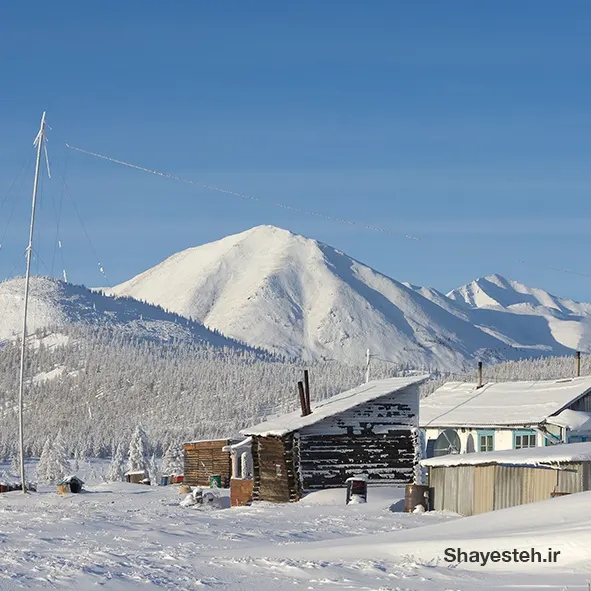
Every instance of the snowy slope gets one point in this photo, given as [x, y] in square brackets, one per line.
[54, 303]
[299, 297]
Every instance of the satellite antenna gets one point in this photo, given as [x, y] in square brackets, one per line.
[447, 443]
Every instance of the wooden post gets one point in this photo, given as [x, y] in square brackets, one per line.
[302, 398]
[307, 392]
[480, 384]
[578, 364]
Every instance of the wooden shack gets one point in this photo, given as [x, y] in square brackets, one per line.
[474, 483]
[370, 430]
[207, 458]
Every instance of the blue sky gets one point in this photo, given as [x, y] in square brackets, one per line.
[464, 123]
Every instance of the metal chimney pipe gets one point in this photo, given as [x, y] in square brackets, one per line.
[578, 364]
[302, 398]
[480, 384]
[307, 391]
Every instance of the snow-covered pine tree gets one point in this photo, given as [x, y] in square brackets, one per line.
[58, 466]
[15, 465]
[43, 465]
[116, 472]
[138, 448]
[153, 471]
[172, 462]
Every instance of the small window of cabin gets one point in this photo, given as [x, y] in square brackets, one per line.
[486, 440]
[524, 439]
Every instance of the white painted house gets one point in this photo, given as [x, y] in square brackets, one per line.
[463, 418]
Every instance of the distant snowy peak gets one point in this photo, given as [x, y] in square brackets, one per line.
[494, 291]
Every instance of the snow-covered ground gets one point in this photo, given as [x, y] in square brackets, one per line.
[122, 536]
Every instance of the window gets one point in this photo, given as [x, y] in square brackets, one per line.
[486, 440]
[524, 439]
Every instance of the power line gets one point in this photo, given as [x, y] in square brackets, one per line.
[249, 197]
[299, 210]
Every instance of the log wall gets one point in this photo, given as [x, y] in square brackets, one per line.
[275, 467]
[206, 458]
[375, 438]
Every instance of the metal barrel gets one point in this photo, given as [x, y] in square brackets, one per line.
[415, 495]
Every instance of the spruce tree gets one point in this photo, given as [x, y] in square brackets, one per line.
[43, 475]
[59, 462]
[136, 461]
[116, 472]
[153, 471]
[172, 462]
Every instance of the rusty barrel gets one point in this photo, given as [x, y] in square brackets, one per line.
[415, 495]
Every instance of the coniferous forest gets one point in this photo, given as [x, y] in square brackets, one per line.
[96, 385]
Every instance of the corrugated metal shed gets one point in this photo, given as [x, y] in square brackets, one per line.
[473, 489]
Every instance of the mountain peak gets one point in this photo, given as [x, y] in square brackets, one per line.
[496, 279]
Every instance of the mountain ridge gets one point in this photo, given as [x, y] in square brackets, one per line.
[54, 303]
[300, 297]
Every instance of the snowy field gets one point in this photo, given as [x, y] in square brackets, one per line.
[122, 536]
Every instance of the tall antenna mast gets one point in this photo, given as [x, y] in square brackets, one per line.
[39, 144]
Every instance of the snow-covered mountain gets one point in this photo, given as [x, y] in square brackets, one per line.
[296, 296]
[54, 303]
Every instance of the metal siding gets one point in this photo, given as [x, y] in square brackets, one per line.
[507, 489]
[465, 491]
[484, 482]
[586, 475]
[537, 484]
[450, 489]
[436, 482]
[570, 479]
[583, 404]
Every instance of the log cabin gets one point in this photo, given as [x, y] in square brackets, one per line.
[207, 458]
[371, 430]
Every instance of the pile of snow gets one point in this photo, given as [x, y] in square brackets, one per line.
[125, 536]
[576, 421]
[562, 524]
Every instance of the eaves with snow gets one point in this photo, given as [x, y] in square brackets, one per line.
[536, 456]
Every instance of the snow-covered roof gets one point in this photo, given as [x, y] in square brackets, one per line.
[576, 421]
[535, 456]
[224, 440]
[245, 443]
[460, 404]
[331, 406]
